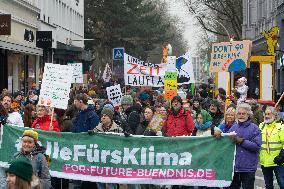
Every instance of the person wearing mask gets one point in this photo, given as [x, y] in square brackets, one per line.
[43, 120]
[33, 151]
[248, 142]
[179, 121]
[272, 152]
[86, 119]
[19, 174]
[216, 112]
[14, 118]
[230, 119]
[203, 125]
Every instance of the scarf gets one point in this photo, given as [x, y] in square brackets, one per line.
[203, 126]
[106, 128]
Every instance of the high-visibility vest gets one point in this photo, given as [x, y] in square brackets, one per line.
[272, 142]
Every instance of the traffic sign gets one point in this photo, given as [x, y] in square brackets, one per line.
[118, 53]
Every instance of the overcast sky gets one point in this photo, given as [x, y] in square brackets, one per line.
[192, 31]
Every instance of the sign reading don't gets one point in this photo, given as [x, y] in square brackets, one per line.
[230, 56]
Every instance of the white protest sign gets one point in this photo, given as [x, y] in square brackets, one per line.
[77, 72]
[114, 94]
[171, 63]
[55, 86]
[140, 73]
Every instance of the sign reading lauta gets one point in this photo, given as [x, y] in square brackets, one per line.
[132, 160]
[55, 86]
[230, 56]
[141, 73]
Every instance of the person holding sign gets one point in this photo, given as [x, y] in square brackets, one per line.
[43, 120]
[179, 121]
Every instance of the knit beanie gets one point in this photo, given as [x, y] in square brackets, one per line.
[177, 98]
[108, 112]
[127, 100]
[144, 96]
[32, 134]
[22, 168]
[109, 106]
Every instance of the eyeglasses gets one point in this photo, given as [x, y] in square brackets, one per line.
[242, 113]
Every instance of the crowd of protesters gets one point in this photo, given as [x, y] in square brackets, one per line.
[259, 131]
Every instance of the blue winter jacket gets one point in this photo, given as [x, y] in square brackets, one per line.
[85, 120]
[247, 153]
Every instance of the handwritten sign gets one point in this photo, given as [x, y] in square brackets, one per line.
[230, 56]
[140, 73]
[77, 72]
[171, 84]
[171, 63]
[170, 94]
[170, 75]
[56, 84]
[114, 94]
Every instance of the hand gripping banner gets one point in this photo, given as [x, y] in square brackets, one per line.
[110, 158]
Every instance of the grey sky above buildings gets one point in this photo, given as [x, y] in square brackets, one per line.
[191, 30]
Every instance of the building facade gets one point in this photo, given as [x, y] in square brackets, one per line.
[19, 56]
[65, 18]
[260, 16]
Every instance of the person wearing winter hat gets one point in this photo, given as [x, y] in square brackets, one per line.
[31, 150]
[216, 112]
[107, 124]
[19, 174]
[182, 118]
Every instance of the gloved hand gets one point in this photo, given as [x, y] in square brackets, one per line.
[279, 160]
[236, 139]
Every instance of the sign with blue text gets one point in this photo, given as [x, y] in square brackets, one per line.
[118, 53]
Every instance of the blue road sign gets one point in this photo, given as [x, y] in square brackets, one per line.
[118, 53]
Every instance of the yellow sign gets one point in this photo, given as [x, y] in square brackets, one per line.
[171, 84]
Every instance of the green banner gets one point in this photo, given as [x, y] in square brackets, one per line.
[111, 158]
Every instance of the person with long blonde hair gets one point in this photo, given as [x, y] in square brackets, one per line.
[229, 120]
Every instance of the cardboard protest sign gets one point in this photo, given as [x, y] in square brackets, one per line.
[114, 94]
[77, 72]
[230, 56]
[56, 84]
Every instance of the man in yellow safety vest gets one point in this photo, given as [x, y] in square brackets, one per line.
[272, 152]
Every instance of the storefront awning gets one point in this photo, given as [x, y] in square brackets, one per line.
[20, 48]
